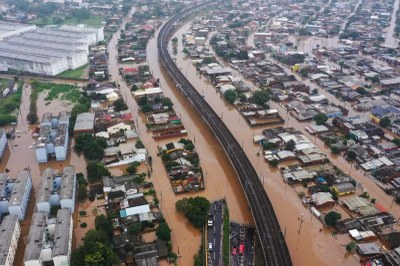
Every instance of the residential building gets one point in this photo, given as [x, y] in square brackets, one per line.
[20, 194]
[6, 187]
[10, 232]
[62, 238]
[84, 123]
[344, 188]
[53, 137]
[3, 141]
[68, 187]
[57, 189]
[37, 249]
[391, 112]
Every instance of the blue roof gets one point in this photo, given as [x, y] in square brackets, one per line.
[379, 111]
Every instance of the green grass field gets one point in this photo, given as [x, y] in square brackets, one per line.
[73, 73]
[10, 104]
[62, 92]
[90, 21]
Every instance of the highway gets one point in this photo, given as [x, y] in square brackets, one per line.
[269, 232]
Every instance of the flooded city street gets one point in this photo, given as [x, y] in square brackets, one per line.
[220, 179]
[310, 246]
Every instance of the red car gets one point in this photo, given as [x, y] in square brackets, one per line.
[241, 249]
[234, 251]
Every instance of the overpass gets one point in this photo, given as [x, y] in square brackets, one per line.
[269, 232]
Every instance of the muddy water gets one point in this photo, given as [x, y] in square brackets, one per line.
[390, 40]
[308, 246]
[220, 177]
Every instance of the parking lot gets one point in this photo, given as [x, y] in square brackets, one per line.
[214, 233]
[242, 245]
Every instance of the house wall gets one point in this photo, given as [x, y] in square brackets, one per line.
[3, 143]
[4, 206]
[13, 245]
[41, 155]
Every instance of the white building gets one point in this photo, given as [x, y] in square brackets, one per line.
[10, 29]
[62, 238]
[53, 137]
[10, 232]
[49, 51]
[36, 247]
[57, 189]
[3, 142]
[68, 188]
[6, 187]
[20, 195]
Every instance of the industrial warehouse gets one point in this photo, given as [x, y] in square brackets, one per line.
[46, 51]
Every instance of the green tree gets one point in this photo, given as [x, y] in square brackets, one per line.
[81, 13]
[290, 145]
[385, 122]
[352, 155]
[350, 247]
[174, 40]
[332, 218]
[135, 228]
[92, 147]
[397, 142]
[94, 253]
[166, 102]
[132, 169]
[269, 146]
[95, 171]
[163, 232]
[261, 97]
[243, 55]
[274, 162]
[195, 209]
[82, 192]
[320, 119]
[103, 224]
[362, 91]
[230, 96]
[335, 149]
[120, 105]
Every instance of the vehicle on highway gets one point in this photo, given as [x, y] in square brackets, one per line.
[210, 221]
[210, 247]
[234, 251]
[241, 249]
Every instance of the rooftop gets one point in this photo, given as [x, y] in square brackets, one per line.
[18, 192]
[62, 233]
[84, 121]
[67, 182]
[46, 185]
[6, 235]
[35, 238]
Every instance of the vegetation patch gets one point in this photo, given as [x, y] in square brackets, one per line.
[73, 73]
[225, 240]
[9, 104]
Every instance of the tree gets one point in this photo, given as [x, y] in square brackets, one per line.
[261, 98]
[314, 91]
[352, 155]
[274, 162]
[94, 253]
[103, 224]
[243, 55]
[332, 218]
[92, 147]
[132, 169]
[385, 122]
[135, 229]
[95, 171]
[82, 192]
[163, 232]
[290, 145]
[195, 209]
[320, 119]
[335, 149]
[166, 102]
[175, 40]
[81, 13]
[269, 146]
[120, 105]
[397, 142]
[362, 91]
[230, 96]
[350, 247]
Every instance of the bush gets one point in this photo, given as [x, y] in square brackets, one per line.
[320, 119]
[335, 150]
[230, 96]
[95, 171]
[364, 195]
[163, 232]
[195, 209]
[351, 246]
[83, 225]
[274, 162]
[132, 169]
[332, 217]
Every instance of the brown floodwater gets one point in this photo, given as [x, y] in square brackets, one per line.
[309, 246]
[220, 177]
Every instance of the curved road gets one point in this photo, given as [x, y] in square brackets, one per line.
[269, 232]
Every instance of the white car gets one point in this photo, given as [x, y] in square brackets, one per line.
[210, 246]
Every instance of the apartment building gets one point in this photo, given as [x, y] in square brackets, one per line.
[10, 232]
[20, 194]
[62, 238]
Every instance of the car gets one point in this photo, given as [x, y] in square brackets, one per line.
[210, 221]
[210, 246]
[241, 249]
[234, 251]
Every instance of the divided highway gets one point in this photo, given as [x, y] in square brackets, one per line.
[269, 232]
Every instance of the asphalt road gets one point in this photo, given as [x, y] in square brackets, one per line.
[214, 233]
[244, 235]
